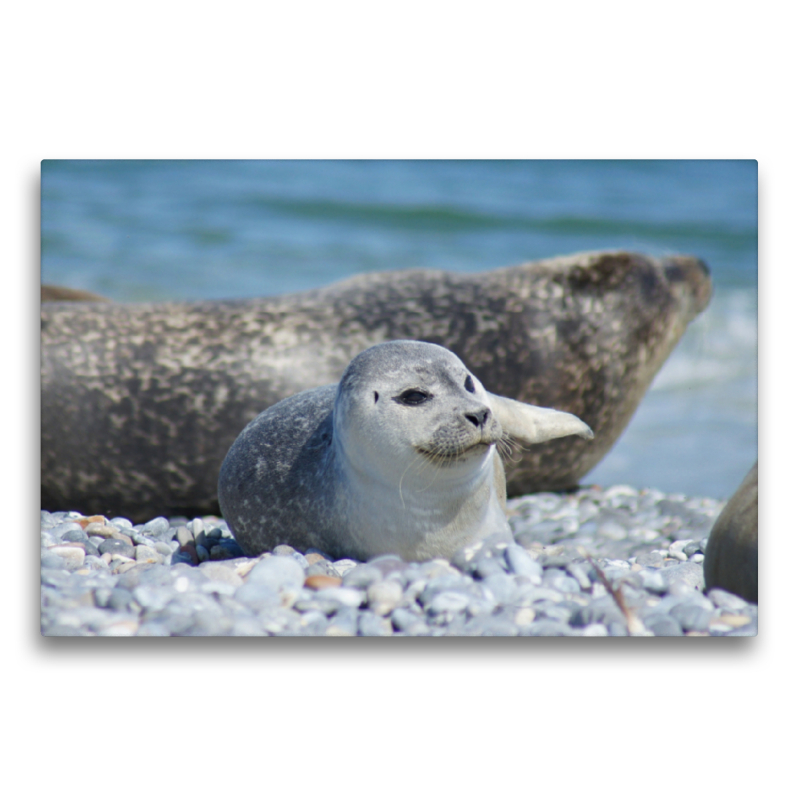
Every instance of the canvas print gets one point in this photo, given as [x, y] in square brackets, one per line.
[399, 398]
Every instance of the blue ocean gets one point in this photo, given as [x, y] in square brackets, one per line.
[186, 230]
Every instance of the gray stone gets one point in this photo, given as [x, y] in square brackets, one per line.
[448, 601]
[156, 528]
[691, 617]
[344, 622]
[215, 571]
[727, 600]
[384, 596]
[409, 623]
[116, 547]
[520, 563]
[362, 576]
[557, 579]
[663, 625]
[278, 573]
[686, 572]
[370, 624]
[72, 555]
[502, 587]
[257, 596]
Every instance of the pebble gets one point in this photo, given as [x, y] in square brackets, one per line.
[178, 577]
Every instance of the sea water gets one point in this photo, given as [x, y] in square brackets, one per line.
[186, 230]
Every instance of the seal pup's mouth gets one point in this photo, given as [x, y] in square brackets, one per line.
[444, 457]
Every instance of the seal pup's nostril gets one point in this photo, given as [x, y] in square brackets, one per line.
[478, 418]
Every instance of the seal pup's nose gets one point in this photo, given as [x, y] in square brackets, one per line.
[478, 418]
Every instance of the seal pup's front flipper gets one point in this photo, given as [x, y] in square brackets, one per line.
[532, 424]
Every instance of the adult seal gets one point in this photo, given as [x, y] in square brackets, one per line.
[140, 403]
[399, 457]
[731, 558]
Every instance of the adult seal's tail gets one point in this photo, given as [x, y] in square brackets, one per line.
[140, 403]
[398, 457]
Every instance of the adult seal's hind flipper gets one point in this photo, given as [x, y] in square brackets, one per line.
[533, 425]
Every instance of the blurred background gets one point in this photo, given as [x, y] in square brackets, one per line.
[187, 230]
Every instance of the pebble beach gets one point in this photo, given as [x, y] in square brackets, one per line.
[596, 562]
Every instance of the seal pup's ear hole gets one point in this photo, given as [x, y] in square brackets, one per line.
[376, 396]
[469, 384]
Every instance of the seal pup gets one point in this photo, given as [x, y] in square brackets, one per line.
[731, 557]
[141, 402]
[399, 457]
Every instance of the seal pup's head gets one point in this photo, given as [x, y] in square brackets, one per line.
[405, 406]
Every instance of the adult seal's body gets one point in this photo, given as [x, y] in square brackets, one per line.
[398, 457]
[140, 403]
[731, 560]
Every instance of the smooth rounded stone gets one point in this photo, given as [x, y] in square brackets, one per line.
[580, 573]
[483, 567]
[63, 630]
[546, 627]
[489, 626]
[343, 566]
[257, 597]
[393, 566]
[75, 535]
[121, 522]
[663, 625]
[691, 617]
[283, 550]
[652, 581]
[147, 554]
[595, 629]
[322, 568]
[73, 556]
[726, 600]
[653, 559]
[482, 606]
[384, 596]
[464, 557]
[313, 623]
[409, 623]
[183, 535]
[448, 601]
[153, 627]
[119, 626]
[202, 553]
[218, 588]
[520, 563]
[343, 623]
[153, 598]
[370, 624]
[341, 595]
[609, 529]
[675, 549]
[62, 528]
[557, 579]
[163, 550]
[280, 573]
[117, 547]
[155, 527]
[604, 611]
[362, 576]
[558, 613]
[50, 560]
[440, 584]
[95, 563]
[220, 573]
[226, 549]
[686, 572]
[502, 587]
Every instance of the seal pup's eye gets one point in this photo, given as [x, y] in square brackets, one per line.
[469, 384]
[412, 397]
[376, 396]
